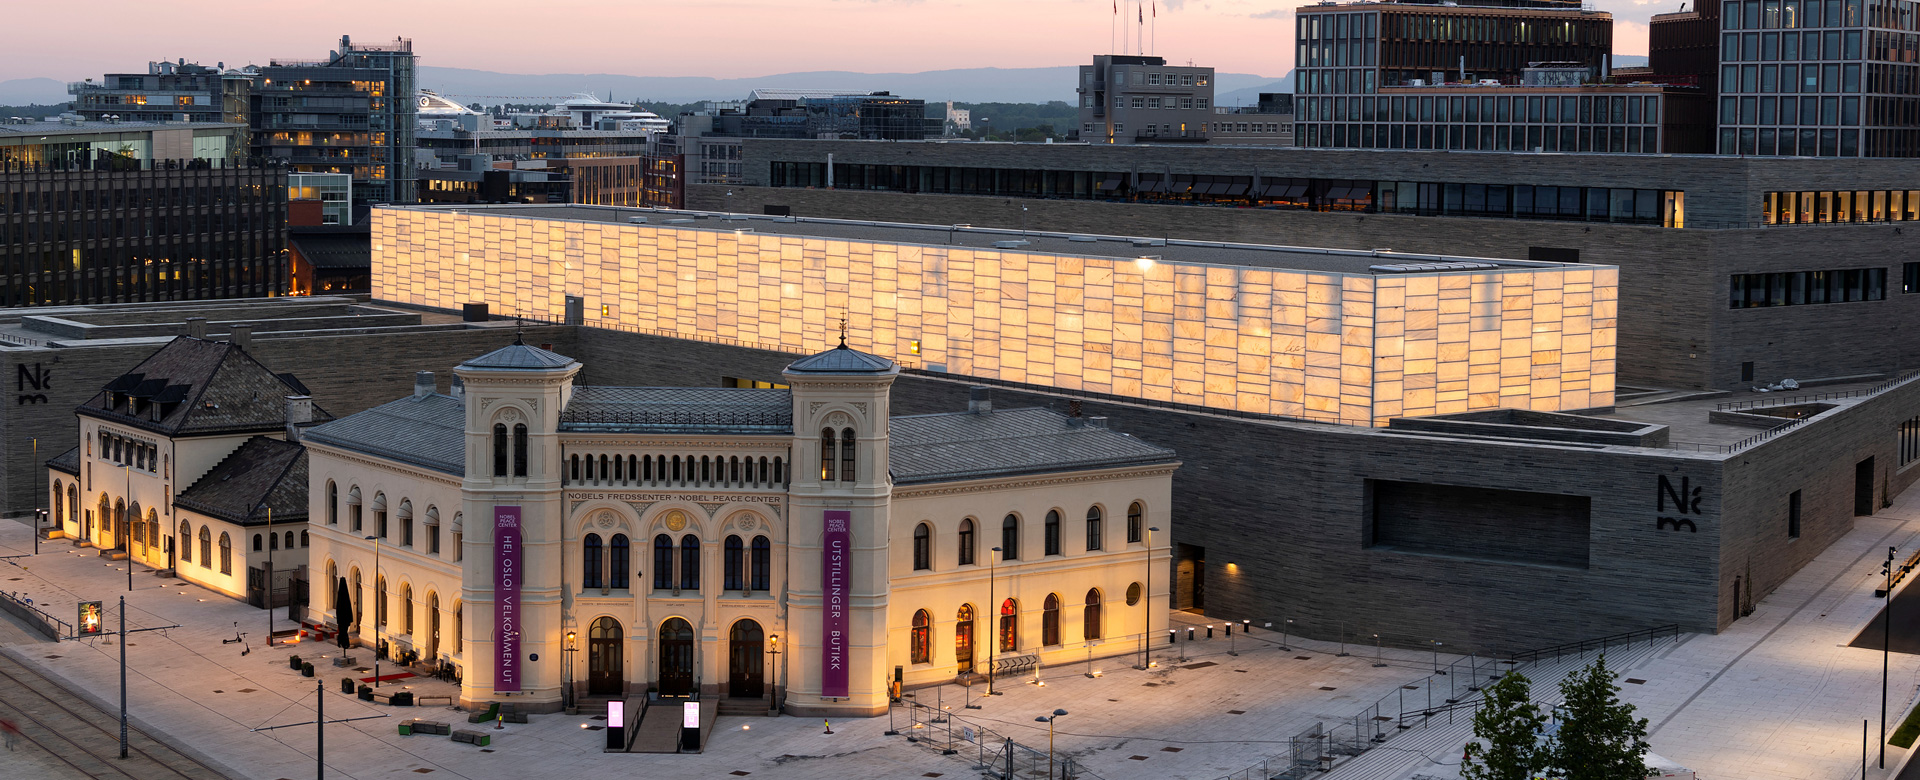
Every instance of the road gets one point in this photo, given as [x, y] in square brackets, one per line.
[1906, 624]
[65, 737]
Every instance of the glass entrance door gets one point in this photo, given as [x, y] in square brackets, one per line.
[605, 658]
[745, 665]
[676, 658]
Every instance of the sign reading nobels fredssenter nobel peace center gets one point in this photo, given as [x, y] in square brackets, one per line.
[1333, 335]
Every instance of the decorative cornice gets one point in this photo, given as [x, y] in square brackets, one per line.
[1004, 483]
[417, 472]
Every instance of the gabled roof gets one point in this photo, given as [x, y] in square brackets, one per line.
[518, 356]
[198, 387]
[262, 473]
[842, 360]
[964, 445]
[68, 462]
[679, 410]
[426, 431]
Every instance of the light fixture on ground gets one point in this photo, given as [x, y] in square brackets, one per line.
[1378, 661]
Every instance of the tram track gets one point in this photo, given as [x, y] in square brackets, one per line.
[75, 736]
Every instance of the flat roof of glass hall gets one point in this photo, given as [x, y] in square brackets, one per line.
[1132, 248]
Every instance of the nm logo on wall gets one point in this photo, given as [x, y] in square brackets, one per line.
[37, 378]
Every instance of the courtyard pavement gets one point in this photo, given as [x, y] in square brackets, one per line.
[1208, 716]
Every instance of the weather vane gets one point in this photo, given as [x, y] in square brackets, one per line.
[843, 331]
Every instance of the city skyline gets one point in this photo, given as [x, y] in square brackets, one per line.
[1232, 36]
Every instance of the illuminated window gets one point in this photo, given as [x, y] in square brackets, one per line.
[922, 641]
[1009, 626]
[826, 455]
[1090, 622]
[1050, 621]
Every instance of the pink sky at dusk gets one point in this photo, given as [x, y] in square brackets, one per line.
[719, 38]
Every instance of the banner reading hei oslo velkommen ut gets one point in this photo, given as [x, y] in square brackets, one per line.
[835, 578]
[506, 598]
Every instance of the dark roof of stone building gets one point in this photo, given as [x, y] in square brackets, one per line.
[198, 387]
[264, 472]
[68, 462]
[679, 410]
[963, 445]
[520, 357]
[427, 431]
[334, 246]
[842, 360]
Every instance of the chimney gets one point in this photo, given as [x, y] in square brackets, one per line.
[241, 335]
[197, 327]
[457, 388]
[299, 412]
[980, 400]
[422, 384]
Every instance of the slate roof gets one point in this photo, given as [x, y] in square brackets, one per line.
[963, 445]
[842, 360]
[427, 431]
[263, 472]
[679, 410]
[68, 462]
[198, 387]
[520, 357]
[334, 246]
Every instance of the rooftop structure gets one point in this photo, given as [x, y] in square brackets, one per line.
[74, 142]
[168, 91]
[351, 112]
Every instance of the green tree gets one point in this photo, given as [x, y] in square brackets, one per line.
[1599, 738]
[1506, 731]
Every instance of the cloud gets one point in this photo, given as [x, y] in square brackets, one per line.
[1278, 13]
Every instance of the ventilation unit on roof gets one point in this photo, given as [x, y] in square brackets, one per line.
[1418, 268]
[1148, 241]
[637, 220]
[1082, 239]
[1016, 244]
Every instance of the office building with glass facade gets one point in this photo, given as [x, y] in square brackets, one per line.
[352, 112]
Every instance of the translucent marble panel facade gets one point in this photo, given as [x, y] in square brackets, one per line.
[1354, 348]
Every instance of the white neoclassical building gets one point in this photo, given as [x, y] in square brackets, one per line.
[796, 545]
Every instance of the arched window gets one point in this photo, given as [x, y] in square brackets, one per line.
[186, 542]
[459, 550]
[380, 601]
[1052, 533]
[676, 469]
[619, 469]
[406, 608]
[846, 455]
[620, 565]
[921, 646]
[922, 547]
[289, 544]
[459, 625]
[706, 469]
[1090, 622]
[433, 625]
[333, 582]
[226, 553]
[601, 475]
[734, 574]
[353, 508]
[405, 516]
[73, 502]
[499, 449]
[1134, 512]
[1050, 620]
[258, 541]
[1010, 539]
[779, 473]
[689, 562]
[359, 602]
[380, 515]
[153, 528]
[966, 542]
[573, 468]
[762, 564]
[963, 638]
[520, 449]
[826, 455]
[303, 539]
[663, 562]
[333, 503]
[1009, 626]
[590, 562]
[206, 547]
[59, 501]
[433, 530]
[1094, 534]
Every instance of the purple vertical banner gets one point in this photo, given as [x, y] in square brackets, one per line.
[506, 598]
[835, 583]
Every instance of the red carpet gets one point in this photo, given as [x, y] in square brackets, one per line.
[388, 677]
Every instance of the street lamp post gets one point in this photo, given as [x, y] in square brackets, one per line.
[1886, 645]
[1146, 601]
[269, 584]
[993, 648]
[379, 608]
[1049, 719]
[39, 515]
[1436, 656]
[567, 692]
[1378, 661]
[773, 696]
[120, 533]
[1286, 632]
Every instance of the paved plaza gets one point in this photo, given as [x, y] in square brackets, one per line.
[1778, 696]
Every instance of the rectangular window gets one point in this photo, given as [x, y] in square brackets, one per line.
[1793, 515]
[1909, 441]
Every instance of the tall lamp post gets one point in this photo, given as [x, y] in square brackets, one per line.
[1049, 719]
[567, 692]
[379, 608]
[271, 544]
[1146, 601]
[773, 696]
[120, 535]
[1886, 645]
[993, 607]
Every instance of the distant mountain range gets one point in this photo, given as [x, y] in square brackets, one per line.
[972, 85]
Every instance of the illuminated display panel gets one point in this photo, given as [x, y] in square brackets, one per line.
[1354, 348]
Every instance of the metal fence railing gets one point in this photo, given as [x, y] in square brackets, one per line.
[1600, 644]
[21, 606]
[991, 752]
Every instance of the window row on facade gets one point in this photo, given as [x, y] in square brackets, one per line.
[1792, 14]
[1810, 78]
[1826, 207]
[1790, 141]
[1812, 112]
[1796, 288]
[426, 642]
[1790, 47]
[706, 470]
[1471, 109]
[966, 550]
[1007, 633]
[356, 510]
[745, 565]
[1563, 138]
[129, 452]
